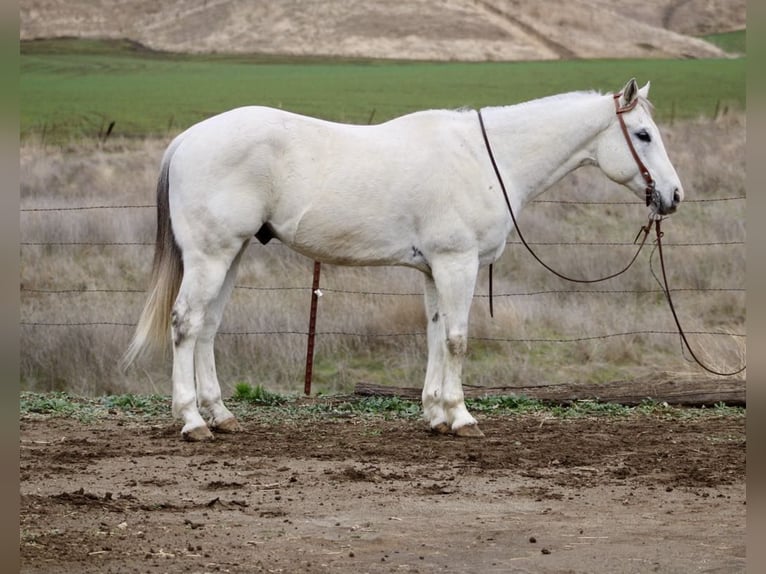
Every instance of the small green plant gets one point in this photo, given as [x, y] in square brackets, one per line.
[592, 408]
[257, 395]
[149, 405]
[504, 403]
[724, 410]
[390, 405]
[368, 406]
[88, 410]
[47, 404]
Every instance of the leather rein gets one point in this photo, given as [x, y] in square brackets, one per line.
[649, 196]
[650, 186]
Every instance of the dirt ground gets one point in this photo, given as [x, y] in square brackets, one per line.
[637, 493]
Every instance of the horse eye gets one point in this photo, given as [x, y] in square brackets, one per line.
[644, 136]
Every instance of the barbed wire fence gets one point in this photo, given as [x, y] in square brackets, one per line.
[117, 290]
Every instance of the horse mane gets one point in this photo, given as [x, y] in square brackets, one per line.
[566, 97]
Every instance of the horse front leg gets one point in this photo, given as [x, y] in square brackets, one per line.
[455, 279]
[433, 409]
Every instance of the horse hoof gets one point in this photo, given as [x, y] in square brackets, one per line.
[230, 425]
[441, 428]
[198, 434]
[469, 431]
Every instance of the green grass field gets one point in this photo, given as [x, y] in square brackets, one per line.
[71, 88]
[733, 42]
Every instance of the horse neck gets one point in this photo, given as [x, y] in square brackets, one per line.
[539, 142]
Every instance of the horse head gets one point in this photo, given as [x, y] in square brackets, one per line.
[630, 152]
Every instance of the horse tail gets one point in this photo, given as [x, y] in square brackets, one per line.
[167, 272]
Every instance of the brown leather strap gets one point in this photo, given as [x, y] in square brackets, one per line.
[650, 185]
[491, 306]
[666, 290]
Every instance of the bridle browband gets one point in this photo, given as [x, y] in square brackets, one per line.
[650, 185]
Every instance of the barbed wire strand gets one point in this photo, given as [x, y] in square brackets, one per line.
[414, 293]
[383, 293]
[510, 242]
[536, 201]
[394, 335]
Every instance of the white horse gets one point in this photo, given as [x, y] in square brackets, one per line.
[418, 191]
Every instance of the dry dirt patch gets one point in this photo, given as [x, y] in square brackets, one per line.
[637, 493]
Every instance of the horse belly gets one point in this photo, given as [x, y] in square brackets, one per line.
[348, 230]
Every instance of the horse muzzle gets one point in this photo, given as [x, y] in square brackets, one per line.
[661, 207]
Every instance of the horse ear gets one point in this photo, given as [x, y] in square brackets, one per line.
[629, 92]
[644, 92]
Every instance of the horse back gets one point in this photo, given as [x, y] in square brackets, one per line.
[341, 192]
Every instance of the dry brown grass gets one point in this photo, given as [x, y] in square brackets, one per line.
[709, 155]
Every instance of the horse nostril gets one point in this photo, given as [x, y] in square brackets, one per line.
[676, 197]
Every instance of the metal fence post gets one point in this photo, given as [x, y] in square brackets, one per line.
[315, 293]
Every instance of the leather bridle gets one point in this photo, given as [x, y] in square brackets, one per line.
[650, 185]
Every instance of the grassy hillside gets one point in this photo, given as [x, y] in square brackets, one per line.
[73, 89]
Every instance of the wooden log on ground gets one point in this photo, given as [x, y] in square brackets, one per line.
[691, 392]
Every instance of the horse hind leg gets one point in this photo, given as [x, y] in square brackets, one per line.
[209, 397]
[203, 281]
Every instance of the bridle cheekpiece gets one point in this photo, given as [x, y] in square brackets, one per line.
[650, 185]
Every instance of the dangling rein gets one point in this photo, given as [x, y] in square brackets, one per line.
[649, 192]
[666, 290]
[645, 229]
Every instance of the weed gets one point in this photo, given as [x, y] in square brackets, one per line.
[145, 405]
[366, 407]
[257, 395]
[85, 409]
[47, 404]
[271, 404]
[512, 403]
[589, 408]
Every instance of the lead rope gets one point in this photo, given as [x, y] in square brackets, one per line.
[666, 290]
[645, 229]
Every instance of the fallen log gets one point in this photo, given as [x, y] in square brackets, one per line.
[689, 392]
